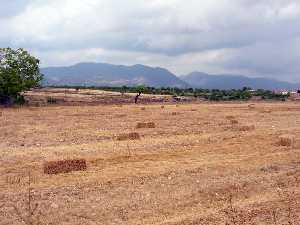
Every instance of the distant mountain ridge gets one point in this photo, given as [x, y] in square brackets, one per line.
[103, 74]
[225, 81]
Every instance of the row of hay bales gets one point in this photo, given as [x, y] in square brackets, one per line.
[135, 135]
[65, 166]
[236, 126]
[286, 140]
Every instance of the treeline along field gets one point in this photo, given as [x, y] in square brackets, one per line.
[245, 93]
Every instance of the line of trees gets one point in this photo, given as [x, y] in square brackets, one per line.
[245, 93]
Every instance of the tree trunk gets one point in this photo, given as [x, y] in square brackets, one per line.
[136, 97]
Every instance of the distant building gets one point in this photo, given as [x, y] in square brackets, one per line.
[284, 92]
[295, 95]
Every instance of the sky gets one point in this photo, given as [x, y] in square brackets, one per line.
[249, 37]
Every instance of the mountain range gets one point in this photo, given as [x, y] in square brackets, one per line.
[227, 81]
[103, 74]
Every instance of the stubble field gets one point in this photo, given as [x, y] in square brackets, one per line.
[200, 164]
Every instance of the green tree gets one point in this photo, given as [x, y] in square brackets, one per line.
[19, 71]
[140, 88]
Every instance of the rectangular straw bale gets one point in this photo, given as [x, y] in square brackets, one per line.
[64, 166]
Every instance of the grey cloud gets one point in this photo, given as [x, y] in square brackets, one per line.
[11, 8]
[252, 31]
[277, 59]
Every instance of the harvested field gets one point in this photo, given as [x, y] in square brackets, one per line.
[71, 97]
[194, 167]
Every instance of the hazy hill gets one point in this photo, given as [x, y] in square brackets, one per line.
[102, 74]
[203, 80]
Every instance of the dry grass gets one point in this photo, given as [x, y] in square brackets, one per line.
[188, 170]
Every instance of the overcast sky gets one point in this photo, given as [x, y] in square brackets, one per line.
[251, 37]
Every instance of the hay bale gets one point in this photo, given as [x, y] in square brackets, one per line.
[286, 140]
[64, 166]
[129, 136]
[233, 122]
[145, 125]
[246, 128]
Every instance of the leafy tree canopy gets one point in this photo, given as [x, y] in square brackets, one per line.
[19, 71]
